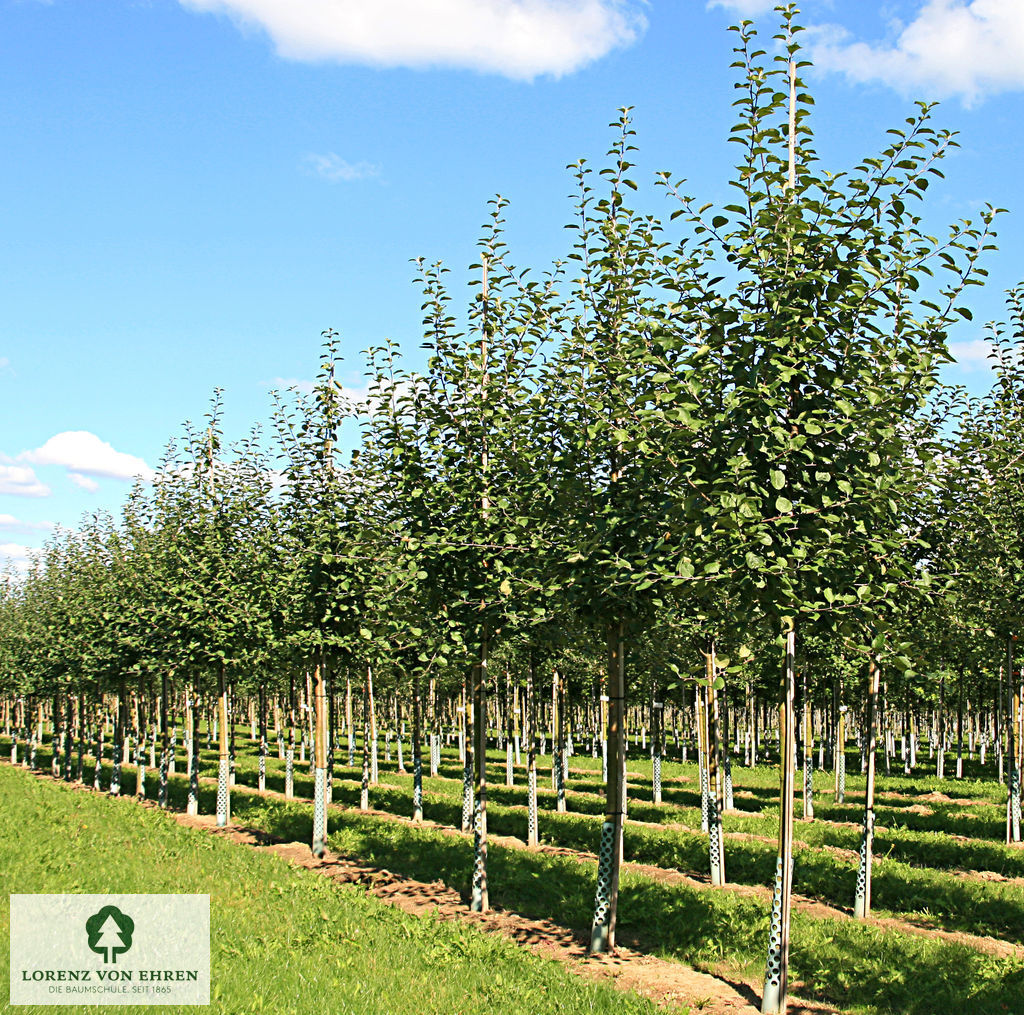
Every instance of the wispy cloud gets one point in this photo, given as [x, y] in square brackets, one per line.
[21, 481]
[84, 482]
[305, 387]
[516, 38]
[338, 170]
[11, 524]
[85, 454]
[745, 8]
[969, 48]
[299, 384]
[972, 354]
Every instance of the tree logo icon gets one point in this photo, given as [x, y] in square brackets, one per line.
[110, 932]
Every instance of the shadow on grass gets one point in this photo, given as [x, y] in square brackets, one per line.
[839, 961]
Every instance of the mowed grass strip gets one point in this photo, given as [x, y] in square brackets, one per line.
[283, 940]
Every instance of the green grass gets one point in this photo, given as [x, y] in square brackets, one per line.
[847, 963]
[283, 940]
[843, 961]
[912, 873]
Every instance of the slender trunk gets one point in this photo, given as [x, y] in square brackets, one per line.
[700, 720]
[319, 759]
[776, 974]
[80, 768]
[348, 722]
[602, 934]
[467, 760]
[1013, 776]
[533, 835]
[940, 762]
[417, 756]
[862, 900]
[117, 737]
[224, 765]
[165, 744]
[192, 721]
[364, 785]
[289, 754]
[262, 777]
[960, 727]
[808, 754]
[716, 802]
[657, 724]
[558, 733]
[374, 759]
[480, 901]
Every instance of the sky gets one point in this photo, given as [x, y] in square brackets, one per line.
[194, 190]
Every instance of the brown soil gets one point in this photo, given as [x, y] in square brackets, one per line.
[934, 797]
[941, 798]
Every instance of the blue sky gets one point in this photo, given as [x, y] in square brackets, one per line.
[195, 189]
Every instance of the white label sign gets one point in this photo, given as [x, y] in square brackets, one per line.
[110, 949]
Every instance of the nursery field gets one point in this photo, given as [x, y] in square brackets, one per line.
[946, 932]
[691, 508]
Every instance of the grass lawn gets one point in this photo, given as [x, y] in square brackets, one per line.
[283, 940]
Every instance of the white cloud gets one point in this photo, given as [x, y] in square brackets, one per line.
[969, 48]
[12, 524]
[21, 481]
[304, 387]
[307, 387]
[84, 453]
[336, 169]
[516, 38]
[745, 8]
[85, 482]
[972, 354]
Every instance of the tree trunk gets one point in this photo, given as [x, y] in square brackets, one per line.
[808, 754]
[192, 721]
[715, 796]
[319, 759]
[262, 778]
[1013, 776]
[165, 744]
[417, 756]
[602, 934]
[862, 900]
[480, 902]
[224, 766]
[532, 834]
[774, 997]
